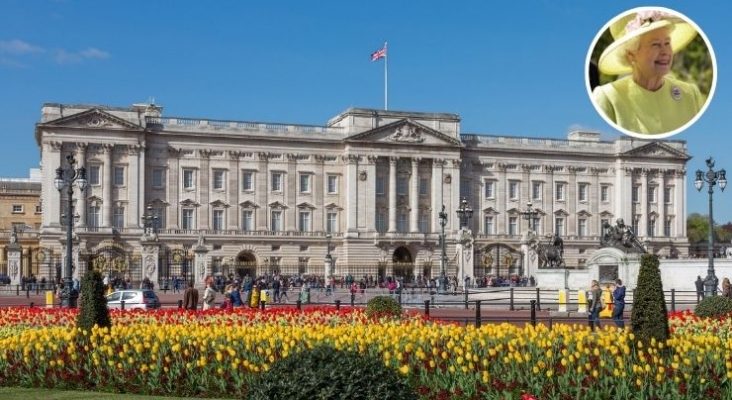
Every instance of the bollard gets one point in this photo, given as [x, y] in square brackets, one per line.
[427, 308]
[17, 290]
[673, 300]
[563, 295]
[180, 304]
[533, 312]
[477, 314]
[550, 322]
[27, 293]
[511, 304]
[538, 299]
[465, 297]
[353, 299]
[338, 305]
[261, 304]
[399, 296]
[299, 304]
[32, 304]
[122, 305]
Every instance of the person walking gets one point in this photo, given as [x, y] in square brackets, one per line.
[619, 304]
[595, 305]
[726, 288]
[699, 289]
[209, 295]
[190, 297]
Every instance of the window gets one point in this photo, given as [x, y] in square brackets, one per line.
[332, 222]
[536, 191]
[276, 182]
[559, 226]
[667, 228]
[159, 222]
[119, 176]
[424, 186]
[92, 216]
[304, 183]
[604, 193]
[582, 192]
[380, 222]
[247, 220]
[488, 190]
[634, 227]
[333, 184]
[559, 194]
[537, 226]
[247, 181]
[17, 209]
[512, 225]
[218, 180]
[636, 194]
[218, 220]
[402, 222]
[513, 190]
[380, 185]
[401, 186]
[667, 193]
[158, 178]
[187, 221]
[651, 194]
[39, 209]
[189, 181]
[488, 225]
[464, 188]
[276, 221]
[424, 223]
[304, 221]
[582, 227]
[92, 174]
[118, 217]
[651, 227]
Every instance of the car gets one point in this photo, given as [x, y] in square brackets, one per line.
[144, 299]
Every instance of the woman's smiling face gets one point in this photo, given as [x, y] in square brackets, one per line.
[654, 56]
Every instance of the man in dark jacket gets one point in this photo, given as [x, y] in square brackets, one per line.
[190, 297]
[699, 288]
[619, 303]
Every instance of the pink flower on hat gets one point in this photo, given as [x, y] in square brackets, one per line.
[645, 17]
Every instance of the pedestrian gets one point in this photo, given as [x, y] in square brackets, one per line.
[190, 297]
[619, 303]
[699, 289]
[726, 288]
[595, 303]
[209, 295]
[236, 296]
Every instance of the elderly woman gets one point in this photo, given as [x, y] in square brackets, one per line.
[648, 100]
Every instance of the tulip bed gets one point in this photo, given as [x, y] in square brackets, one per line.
[216, 353]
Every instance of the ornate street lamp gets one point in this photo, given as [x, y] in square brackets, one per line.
[442, 284]
[711, 177]
[149, 220]
[530, 215]
[465, 213]
[65, 178]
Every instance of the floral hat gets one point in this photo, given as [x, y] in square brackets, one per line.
[634, 25]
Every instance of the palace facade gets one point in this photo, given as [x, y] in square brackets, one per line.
[366, 190]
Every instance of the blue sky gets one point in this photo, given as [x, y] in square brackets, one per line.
[506, 67]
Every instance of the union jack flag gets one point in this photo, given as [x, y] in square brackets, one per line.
[381, 53]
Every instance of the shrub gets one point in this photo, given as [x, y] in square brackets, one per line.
[93, 308]
[326, 373]
[383, 306]
[713, 306]
[649, 318]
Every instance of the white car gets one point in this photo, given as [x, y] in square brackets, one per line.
[144, 299]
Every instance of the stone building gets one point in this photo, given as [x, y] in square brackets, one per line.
[366, 190]
[20, 210]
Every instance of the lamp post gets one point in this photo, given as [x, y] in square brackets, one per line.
[465, 213]
[65, 178]
[442, 284]
[328, 257]
[530, 215]
[711, 177]
[149, 219]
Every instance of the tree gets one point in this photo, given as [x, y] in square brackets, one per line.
[93, 309]
[697, 230]
[649, 318]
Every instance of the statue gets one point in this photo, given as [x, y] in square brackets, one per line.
[200, 240]
[621, 237]
[551, 255]
[14, 235]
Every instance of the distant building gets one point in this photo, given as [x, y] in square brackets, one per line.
[366, 188]
[20, 209]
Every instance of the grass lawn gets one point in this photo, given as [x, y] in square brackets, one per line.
[8, 393]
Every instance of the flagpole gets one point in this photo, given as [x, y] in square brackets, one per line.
[386, 78]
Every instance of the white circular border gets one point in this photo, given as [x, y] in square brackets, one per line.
[711, 90]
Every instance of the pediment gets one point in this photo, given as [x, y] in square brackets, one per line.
[513, 211]
[606, 215]
[189, 203]
[490, 211]
[277, 206]
[306, 206]
[583, 213]
[656, 150]
[248, 204]
[94, 119]
[158, 202]
[94, 201]
[333, 206]
[561, 213]
[219, 204]
[405, 132]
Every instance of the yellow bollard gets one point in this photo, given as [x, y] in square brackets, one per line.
[582, 301]
[562, 301]
[607, 299]
[49, 298]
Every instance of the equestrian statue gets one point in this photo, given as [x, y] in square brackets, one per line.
[551, 255]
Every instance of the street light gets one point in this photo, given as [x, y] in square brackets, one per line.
[149, 220]
[530, 215]
[442, 284]
[711, 177]
[465, 213]
[65, 178]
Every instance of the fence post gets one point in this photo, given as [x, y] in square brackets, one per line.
[261, 304]
[465, 293]
[511, 304]
[673, 300]
[17, 290]
[477, 314]
[27, 292]
[122, 304]
[338, 305]
[353, 299]
[427, 308]
[180, 304]
[32, 304]
[533, 312]
[538, 299]
[299, 304]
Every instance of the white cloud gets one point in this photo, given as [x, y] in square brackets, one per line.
[94, 53]
[16, 46]
[64, 56]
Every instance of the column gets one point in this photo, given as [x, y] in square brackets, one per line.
[454, 195]
[370, 193]
[203, 187]
[291, 189]
[679, 229]
[81, 149]
[501, 193]
[392, 193]
[643, 222]
[661, 200]
[233, 190]
[438, 166]
[262, 191]
[550, 200]
[141, 185]
[414, 197]
[320, 213]
[107, 185]
[133, 213]
[594, 229]
[52, 204]
[351, 181]
[171, 217]
[572, 197]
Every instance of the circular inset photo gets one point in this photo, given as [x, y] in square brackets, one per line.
[651, 72]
